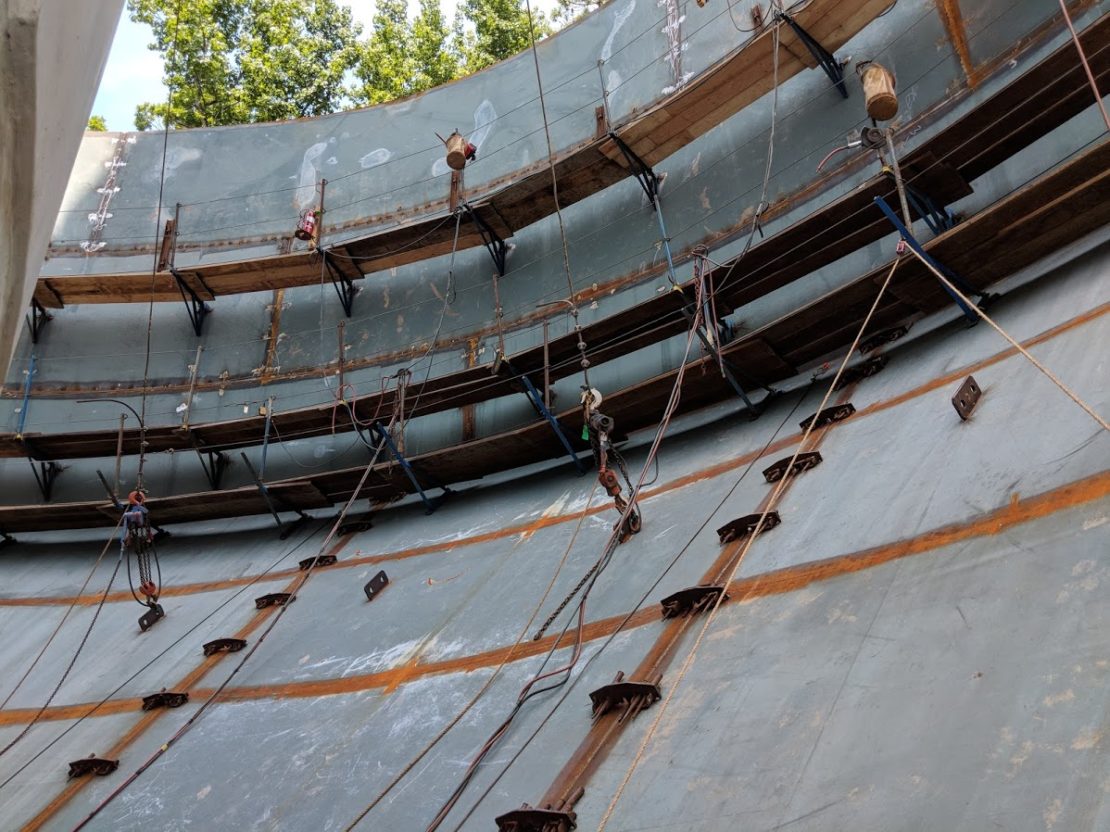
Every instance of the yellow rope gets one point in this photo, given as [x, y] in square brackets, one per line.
[1051, 376]
[771, 503]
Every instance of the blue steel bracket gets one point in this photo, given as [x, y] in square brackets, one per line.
[198, 310]
[936, 215]
[959, 282]
[497, 248]
[729, 369]
[286, 529]
[647, 177]
[430, 503]
[536, 399]
[825, 59]
[344, 286]
[37, 319]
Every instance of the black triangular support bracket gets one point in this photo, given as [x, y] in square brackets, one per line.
[825, 59]
[344, 286]
[37, 319]
[6, 539]
[198, 310]
[214, 464]
[45, 475]
[643, 172]
[497, 248]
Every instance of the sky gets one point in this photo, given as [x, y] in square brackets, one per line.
[133, 73]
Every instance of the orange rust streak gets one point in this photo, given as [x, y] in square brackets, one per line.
[545, 522]
[1015, 512]
[779, 581]
[150, 717]
[950, 15]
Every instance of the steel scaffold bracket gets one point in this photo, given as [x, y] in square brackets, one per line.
[957, 281]
[648, 178]
[344, 286]
[825, 59]
[197, 309]
[37, 319]
[498, 249]
[536, 399]
[430, 503]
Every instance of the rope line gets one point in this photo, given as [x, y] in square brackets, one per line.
[628, 616]
[771, 503]
[488, 683]
[80, 646]
[1086, 66]
[1013, 343]
[165, 747]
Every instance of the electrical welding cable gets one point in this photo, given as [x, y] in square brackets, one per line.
[94, 708]
[447, 296]
[762, 205]
[154, 273]
[628, 617]
[57, 629]
[771, 503]
[409, 766]
[566, 671]
[165, 747]
[1086, 66]
[80, 646]
[555, 192]
[1102, 423]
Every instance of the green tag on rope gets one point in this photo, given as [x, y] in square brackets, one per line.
[585, 433]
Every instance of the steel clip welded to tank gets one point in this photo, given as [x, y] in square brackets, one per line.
[791, 467]
[532, 819]
[629, 697]
[887, 336]
[691, 601]
[836, 413]
[318, 560]
[92, 765]
[273, 599]
[224, 645]
[151, 617]
[164, 699]
[743, 526]
[375, 585]
[967, 397]
[865, 369]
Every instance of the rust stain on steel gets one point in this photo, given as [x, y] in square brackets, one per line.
[545, 522]
[272, 341]
[953, 20]
[776, 582]
[150, 717]
[470, 411]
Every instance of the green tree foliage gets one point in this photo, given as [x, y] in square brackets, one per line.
[97, 124]
[403, 57]
[237, 61]
[488, 31]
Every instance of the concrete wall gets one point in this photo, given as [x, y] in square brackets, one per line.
[52, 53]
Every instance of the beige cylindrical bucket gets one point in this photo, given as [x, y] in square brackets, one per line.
[456, 151]
[878, 91]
